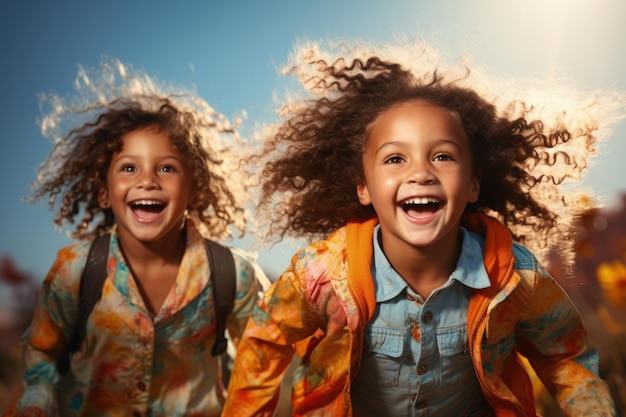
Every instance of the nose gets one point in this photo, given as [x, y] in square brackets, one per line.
[420, 173]
[148, 180]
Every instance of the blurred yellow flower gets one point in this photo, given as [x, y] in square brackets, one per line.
[612, 279]
[612, 325]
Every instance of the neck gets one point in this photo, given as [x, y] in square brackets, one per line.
[165, 251]
[425, 268]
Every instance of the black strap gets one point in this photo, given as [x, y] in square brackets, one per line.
[91, 282]
[222, 266]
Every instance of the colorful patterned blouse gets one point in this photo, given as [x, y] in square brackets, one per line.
[132, 363]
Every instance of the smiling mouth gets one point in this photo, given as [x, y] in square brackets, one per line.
[146, 209]
[417, 207]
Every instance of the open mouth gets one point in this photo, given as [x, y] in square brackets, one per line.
[147, 209]
[421, 207]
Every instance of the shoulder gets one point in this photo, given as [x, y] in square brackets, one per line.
[321, 256]
[324, 251]
[70, 261]
[63, 280]
[528, 267]
[524, 258]
[320, 263]
[248, 271]
[534, 281]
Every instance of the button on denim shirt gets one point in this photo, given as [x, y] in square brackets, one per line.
[415, 360]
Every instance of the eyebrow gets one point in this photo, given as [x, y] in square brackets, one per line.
[136, 156]
[401, 143]
[452, 142]
[385, 145]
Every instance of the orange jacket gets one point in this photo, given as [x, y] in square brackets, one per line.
[321, 304]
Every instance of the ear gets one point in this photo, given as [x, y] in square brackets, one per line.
[363, 194]
[474, 189]
[103, 199]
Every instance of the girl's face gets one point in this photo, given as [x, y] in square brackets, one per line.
[148, 187]
[418, 175]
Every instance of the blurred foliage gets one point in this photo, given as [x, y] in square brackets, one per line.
[600, 265]
[612, 279]
[18, 295]
[597, 287]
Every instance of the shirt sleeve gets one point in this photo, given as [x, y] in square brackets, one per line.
[281, 318]
[251, 283]
[52, 326]
[556, 343]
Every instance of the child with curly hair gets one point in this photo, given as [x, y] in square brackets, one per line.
[149, 168]
[420, 299]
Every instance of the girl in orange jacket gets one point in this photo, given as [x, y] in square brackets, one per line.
[422, 301]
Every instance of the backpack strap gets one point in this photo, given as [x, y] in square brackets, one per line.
[91, 282]
[222, 265]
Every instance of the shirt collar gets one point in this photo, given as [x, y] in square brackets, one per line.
[470, 270]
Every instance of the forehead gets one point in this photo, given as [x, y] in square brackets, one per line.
[146, 139]
[421, 114]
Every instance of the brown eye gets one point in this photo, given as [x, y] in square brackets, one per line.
[443, 157]
[168, 168]
[395, 159]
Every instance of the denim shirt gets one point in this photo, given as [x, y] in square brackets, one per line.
[415, 360]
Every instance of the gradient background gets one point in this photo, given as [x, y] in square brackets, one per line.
[230, 52]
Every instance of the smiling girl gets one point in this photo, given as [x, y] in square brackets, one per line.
[149, 169]
[417, 301]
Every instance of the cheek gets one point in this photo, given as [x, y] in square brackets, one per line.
[388, 181]
[184, 191]
[117, 189]
[381, 189]
[386, 185]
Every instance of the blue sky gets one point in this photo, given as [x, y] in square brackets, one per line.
[229, 51]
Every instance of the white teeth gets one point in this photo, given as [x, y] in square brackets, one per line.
[147, 203]
[423, 200]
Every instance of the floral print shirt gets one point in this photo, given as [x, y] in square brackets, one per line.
[132, 363]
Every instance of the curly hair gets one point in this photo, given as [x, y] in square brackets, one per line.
[75, 170]
[312, 161]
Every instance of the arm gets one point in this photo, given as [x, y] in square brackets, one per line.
[283, 317]
[557, 345]
[251, 283]
[51, 328]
